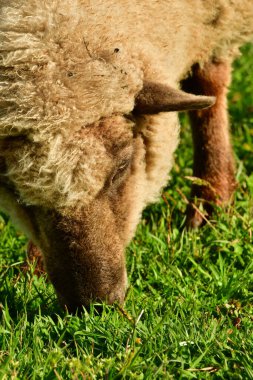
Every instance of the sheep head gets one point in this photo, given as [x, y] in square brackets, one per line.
[82, 195]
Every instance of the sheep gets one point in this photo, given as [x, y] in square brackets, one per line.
[90, 92]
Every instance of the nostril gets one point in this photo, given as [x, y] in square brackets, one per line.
[119, 290]
[117, 295]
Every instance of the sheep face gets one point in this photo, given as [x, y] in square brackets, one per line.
[83, 253]
[82, 237]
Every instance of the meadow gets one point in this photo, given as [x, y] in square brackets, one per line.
[189, 308]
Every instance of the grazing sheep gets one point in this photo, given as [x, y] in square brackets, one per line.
[86, 132]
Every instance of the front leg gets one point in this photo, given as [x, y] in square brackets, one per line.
[213, 157]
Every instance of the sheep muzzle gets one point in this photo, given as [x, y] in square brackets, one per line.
[83, 255]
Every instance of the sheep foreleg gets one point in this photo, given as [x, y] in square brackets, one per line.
[213, 157]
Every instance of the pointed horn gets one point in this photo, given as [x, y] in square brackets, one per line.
[157, 97]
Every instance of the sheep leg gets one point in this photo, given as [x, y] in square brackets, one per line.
[213, 157]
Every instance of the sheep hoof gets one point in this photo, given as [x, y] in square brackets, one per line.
[34, 256]
[195, 218]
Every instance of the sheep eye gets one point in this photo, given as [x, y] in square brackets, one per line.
[120, 170]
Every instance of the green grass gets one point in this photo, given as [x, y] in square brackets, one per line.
[189, 309]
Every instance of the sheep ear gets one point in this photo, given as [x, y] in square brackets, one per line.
[156, 97]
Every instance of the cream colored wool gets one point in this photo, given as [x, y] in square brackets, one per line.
[67, 64]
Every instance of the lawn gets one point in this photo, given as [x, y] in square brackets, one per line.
[189, 309]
